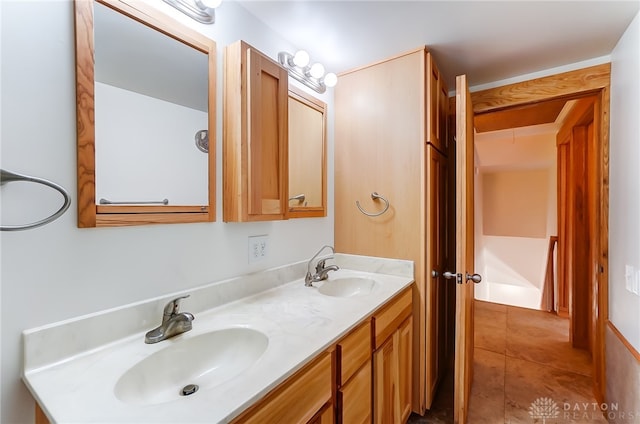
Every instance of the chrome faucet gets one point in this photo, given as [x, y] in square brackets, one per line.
[322, 271]
[173, 323]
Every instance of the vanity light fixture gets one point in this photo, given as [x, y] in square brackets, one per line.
[202, 11]
[313, 76]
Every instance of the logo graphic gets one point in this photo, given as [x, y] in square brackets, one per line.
[544, 408]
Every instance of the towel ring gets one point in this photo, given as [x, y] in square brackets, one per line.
[374, 196]
[8, 177]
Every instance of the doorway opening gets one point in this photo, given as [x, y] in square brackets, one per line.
[580, 289]
[573, 85]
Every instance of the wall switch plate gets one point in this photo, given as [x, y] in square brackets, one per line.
[632, 279]
[258, 248]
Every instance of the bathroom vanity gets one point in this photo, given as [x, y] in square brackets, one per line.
[263, 348]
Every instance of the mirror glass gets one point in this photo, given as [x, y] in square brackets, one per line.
[153, 86]
[307, 155]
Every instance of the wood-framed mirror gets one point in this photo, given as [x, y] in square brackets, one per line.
[307, 155]
[146, 136]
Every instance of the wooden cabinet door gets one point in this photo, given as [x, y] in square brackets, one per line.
[378, 146]
[437, 106]
[392, 384]
[385, 384]
[268, 133]
[325, 416]
[404, 358]
[255, 134]
[354, 398]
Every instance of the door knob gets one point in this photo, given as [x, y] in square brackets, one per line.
[450, 276]
[435, 274]
[476, 278]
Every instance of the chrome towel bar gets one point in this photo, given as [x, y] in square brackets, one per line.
[140, 202]
[9, 177]
[374, 196]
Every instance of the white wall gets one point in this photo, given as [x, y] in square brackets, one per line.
[511, 261]
[624, 215]
[59, 271]
[160, 133]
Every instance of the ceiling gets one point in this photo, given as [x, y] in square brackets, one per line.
[488, 40]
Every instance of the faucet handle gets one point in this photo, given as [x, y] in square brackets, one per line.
[321, 263]
[172, 307]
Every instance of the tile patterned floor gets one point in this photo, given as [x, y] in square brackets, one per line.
[520, 357]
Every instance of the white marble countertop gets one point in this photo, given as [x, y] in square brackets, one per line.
[76, 383]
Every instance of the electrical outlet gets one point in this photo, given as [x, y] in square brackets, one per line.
[258, 248]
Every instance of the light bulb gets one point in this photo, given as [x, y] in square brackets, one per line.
[211, 4]
[301, 58]
[317, 70]
[331, 79]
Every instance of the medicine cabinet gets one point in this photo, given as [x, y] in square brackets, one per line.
[145, 87]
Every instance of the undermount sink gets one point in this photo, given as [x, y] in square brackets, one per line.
[347, 287]
[204, 361]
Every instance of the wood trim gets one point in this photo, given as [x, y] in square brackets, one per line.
[119, 219]
[389, 59]
[568, 84]
[624, 341]
[40, 416]
[548, 300]
[85, 114]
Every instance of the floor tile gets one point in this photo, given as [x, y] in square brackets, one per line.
[521, 357]
[486, 405]
[543, 338]
[528, 384]
[490, 327]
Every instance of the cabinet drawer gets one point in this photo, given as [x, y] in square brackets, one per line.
[298, 399]
[353, 351]
[355, 398]
[388, 319]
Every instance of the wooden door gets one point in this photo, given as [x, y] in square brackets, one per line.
[436, 289]
[463, 362]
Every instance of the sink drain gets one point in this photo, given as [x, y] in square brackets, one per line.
[189, 389]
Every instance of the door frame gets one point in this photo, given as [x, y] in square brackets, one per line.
[594, 80]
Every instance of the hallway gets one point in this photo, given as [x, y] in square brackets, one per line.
[521, 357]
